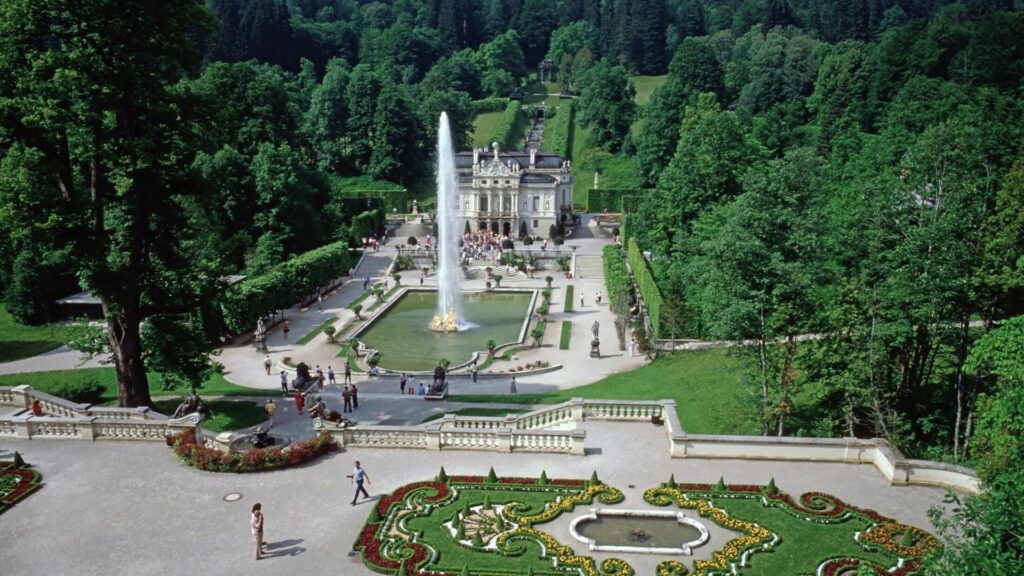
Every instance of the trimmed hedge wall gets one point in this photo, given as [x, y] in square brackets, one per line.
[281, 286]
[646, 285]
[598, 200]
[490, 105]
[616, 277]
[510, 127]
[563, 130]
[392, 195]
[364, 225]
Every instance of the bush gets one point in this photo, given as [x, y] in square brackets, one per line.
[645, 284]
[610, 199]
[490, 105]
[568, 298]
[330, 330]
[616, 278]
[563, 341]
[83, 392]
[507, 244]
[538, 332]
[282, 285]
[510, 127]
[257, 460]
[562, 129]
[549, 280]
[527, 240]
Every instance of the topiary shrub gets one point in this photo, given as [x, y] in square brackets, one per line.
[84, 392]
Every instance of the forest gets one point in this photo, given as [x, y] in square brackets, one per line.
[848, 170]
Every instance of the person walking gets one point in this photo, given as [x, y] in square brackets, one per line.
[268, 364]
[512, 386]
[330, 375]
[300, 401]
[402, 382]
[355, 397]
[320, 301]
[286, 330]
[632, 347]
[256, 524]
[581, 299]
[284, 383]
[270, 408]
[597, 298]
[348, 373]
[346, 397]
[360, 476]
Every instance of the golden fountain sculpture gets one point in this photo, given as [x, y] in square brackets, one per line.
[446, 323]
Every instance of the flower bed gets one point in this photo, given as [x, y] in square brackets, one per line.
[432, 527]
[257, 460]
[16, 482]
[903, 544]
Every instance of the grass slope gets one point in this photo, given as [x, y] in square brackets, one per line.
[216, 385]
[225, 414]
[705, 384]
[484, 126]
[18, 341]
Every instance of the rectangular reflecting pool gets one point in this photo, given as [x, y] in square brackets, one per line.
[403, 335]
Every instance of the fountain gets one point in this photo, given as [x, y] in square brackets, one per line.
[449, 317]
[639, 531]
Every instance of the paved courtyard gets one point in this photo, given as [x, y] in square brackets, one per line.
[130, 508]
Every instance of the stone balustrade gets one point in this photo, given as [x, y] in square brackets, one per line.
[64, 419]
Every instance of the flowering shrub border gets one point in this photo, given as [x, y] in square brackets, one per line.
[387, 547]
[256, 460]
[883, 535]
[16, 482]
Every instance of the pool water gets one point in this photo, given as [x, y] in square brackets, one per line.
[403, 336]
[624, 531]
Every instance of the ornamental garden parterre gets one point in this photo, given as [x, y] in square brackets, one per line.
[490, 525]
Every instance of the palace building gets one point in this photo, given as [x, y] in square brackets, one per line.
[499, 190]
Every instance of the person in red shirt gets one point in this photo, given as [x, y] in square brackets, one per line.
[299, 401]
[37, 408]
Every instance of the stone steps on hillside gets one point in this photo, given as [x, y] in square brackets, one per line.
[374, 265]
[590, 266]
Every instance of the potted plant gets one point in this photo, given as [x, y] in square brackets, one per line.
[497, 280]
[397, 278]
[357, 309]
[330, 330]
[374, 360]
[543, 309]
[353, 345]
[444, 363]
[491, 345]
[549, 280]
[538, 334]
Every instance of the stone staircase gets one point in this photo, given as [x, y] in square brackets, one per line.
[374, 265]
[590, 266]
[417, 229]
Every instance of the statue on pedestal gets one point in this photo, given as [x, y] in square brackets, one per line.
[595, 344]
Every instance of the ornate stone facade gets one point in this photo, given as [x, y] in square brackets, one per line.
[500, 190]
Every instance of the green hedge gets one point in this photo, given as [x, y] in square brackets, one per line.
[610, 199]
[392, 195]
[563, 131]
[490, 105]
[364, 225]
[646, 285]
[616, 278]
[510, 127]
[282, 285]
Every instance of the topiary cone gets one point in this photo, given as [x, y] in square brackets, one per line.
[19, 462]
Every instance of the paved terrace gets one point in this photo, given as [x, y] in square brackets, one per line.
[131, 508]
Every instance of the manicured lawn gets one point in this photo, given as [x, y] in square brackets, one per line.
[645, 86]
[224, 415]
[563, 341]
[475, 412]
[484, 126]
[18, 341]
[705, 384]
[312, 333]
[47, 381]
[568, 298]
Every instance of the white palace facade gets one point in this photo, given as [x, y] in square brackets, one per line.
[500, 190]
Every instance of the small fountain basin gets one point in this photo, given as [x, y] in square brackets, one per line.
[245, 443]
[639, 531]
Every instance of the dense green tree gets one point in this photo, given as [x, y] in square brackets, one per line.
[842, 90]
[535, 24]
[606, 104]
[571, 38]
[397, 143]
[327, 117]
[459, 107]
[459, 72]
[981, 534]
[363, 88]
[113, 131]
[265, 33]
[502, 64]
